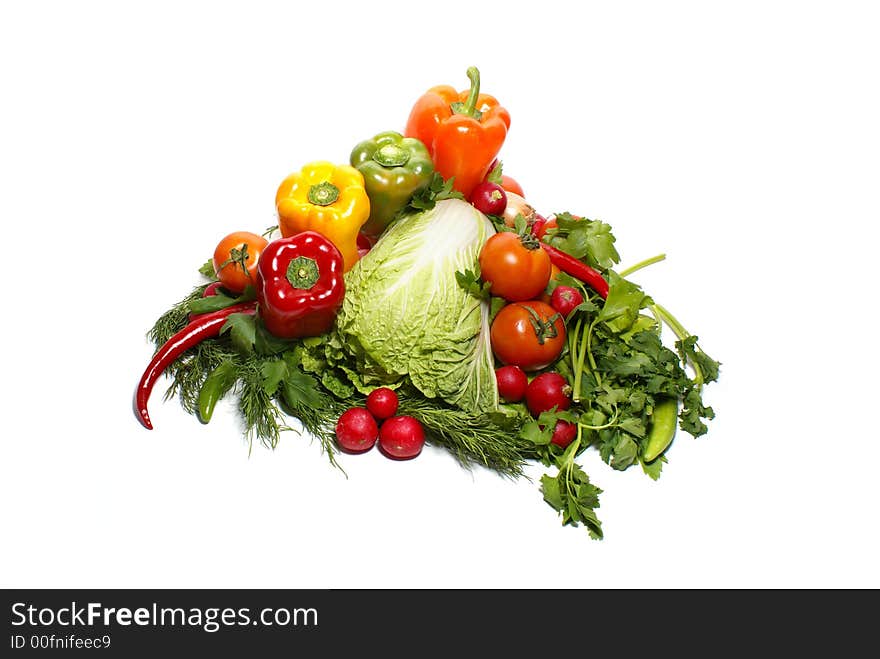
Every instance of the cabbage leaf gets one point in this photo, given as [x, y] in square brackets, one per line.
[405, 316]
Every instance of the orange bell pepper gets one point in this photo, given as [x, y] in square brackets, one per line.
[464, 131]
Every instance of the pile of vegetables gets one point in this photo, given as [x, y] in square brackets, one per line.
[413, 295]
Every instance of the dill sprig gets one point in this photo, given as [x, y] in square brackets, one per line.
[173, 320]
[470, 438]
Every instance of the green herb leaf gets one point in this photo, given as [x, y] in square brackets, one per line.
[470, 281]
[242, 330]
[437, 190]
[572, 495]
[654, 468]
[496, 174]
[551, 491]
[588, 240]
[273, 371]
[301, 389]
[220, 301]
[207, 270]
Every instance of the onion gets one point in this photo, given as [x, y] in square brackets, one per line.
[516, 205]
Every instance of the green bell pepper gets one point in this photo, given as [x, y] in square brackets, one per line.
[394, 168]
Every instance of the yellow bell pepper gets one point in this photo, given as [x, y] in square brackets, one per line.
[327, 198]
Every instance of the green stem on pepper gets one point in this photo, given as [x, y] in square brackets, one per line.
[469, 107]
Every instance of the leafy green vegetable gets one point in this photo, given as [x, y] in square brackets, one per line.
[437, 190]
[590, 240]
[220, 301]
[470, 281]
[242, 330]
[416, 318]
[405, 316]
[571, 493]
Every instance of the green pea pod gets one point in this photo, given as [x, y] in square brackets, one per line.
[215, 386]
[663, 424]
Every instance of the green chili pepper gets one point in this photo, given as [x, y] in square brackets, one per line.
[215, 386]
[663, 424]
[394, 168]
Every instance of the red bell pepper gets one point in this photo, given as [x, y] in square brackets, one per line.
[300, 285]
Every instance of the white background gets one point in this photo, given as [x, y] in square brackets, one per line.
[741, 139]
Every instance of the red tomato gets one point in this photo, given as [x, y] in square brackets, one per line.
[517, 267]
[511, 185]
[235, 260]
[530, 335]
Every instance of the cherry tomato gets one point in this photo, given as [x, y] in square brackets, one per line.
[565, 299]
[382, 403]
[235, 260]
[530, 335]
[516, 266]
[511, 185]
[489, 198]
[512, 383]
[547, 391]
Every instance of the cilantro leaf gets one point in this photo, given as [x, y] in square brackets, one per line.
[653, 469]
[471, 283]
[207, 270]
[587, 240]
[437, 190]
[572, 494]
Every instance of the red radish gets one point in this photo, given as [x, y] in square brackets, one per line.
[401, 437]
[565, 299]
[564, 433]
[211, 289]
[489, 198]
[512, 383]
[364, 244]
[356, 430]
[382, 403]
[547, 391]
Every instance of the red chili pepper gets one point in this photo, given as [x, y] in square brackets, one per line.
[205, 326]
[577, 269]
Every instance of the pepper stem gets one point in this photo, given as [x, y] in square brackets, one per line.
[323, 194]
[469, 107]
[303, 272]
[391, 155]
